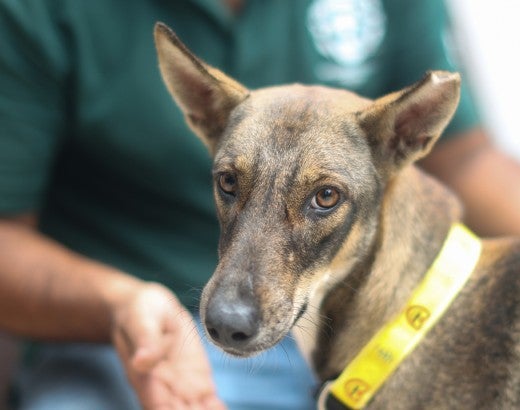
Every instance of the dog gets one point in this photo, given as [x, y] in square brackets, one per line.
[328, 227]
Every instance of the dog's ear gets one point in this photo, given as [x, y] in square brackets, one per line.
[403, 126]
[205, 95]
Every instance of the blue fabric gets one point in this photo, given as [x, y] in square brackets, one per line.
[76, 377]
[90, 377]
[277, 379]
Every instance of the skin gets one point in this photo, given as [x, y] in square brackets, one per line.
[483, 177]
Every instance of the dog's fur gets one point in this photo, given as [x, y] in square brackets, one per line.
[334, 275]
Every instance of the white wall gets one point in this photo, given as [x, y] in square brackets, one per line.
[488, 35]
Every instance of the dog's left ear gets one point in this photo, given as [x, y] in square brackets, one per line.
[205, 95]
[403, 126]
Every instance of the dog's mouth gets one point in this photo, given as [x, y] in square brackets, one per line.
[264, 341]
[301, 312]
[249, 351]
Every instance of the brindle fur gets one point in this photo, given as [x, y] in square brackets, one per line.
[341, 275]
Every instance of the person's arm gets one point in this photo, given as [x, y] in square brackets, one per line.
[485, 178]
[48, 292]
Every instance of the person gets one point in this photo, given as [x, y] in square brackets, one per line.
[107, 228]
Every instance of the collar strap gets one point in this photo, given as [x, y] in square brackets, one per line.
[376, 362]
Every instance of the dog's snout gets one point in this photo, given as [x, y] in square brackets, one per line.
[232, 324]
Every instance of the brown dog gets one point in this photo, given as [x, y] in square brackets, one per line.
[327, 228]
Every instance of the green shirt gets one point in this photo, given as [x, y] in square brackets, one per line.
[91, 140]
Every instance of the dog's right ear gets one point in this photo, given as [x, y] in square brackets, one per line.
[205, 95]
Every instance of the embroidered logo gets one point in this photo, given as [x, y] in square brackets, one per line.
[346, 33]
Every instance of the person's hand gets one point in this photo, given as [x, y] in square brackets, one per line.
[158, 343]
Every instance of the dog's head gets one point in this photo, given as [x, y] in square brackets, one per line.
[299, 173]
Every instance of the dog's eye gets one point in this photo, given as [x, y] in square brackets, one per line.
[325, 198]
[227, 182]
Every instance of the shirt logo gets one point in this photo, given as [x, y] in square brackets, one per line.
[346, 33]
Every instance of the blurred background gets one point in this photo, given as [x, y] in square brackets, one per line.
[487, 33]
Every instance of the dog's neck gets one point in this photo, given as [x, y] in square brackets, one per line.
[416, 215]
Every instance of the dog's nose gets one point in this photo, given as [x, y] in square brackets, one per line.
[233, 323]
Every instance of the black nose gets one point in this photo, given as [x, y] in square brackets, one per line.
[231, 323]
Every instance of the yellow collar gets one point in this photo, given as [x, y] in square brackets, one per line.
[367, 372]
